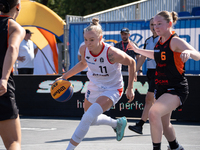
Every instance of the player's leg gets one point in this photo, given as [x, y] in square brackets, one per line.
[92, 113]
[149, 100]
[101, 119]
[118, 125]
[10, 131]
[169, 132]
[165, 104]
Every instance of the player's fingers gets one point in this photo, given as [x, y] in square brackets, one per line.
[2, 91]
[130, 97]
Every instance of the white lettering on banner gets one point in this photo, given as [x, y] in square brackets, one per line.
[45, 86]
[135, 105]
[85, 87]
[130, 106]
[77, 85]
[142, 89]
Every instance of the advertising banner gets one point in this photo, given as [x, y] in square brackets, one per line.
[33, 98]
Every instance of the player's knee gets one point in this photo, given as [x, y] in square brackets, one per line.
[153, 115]
[90, 116]
[12, 144]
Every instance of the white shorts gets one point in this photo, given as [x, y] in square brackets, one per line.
[93, 92]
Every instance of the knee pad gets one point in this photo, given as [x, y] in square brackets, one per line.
[92, 113]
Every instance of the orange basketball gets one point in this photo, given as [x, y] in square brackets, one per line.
[62, 90]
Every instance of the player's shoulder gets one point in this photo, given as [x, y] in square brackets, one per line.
[15, 27]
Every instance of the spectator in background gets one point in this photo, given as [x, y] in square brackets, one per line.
[27, 53]
[123, 45]
[151, 66]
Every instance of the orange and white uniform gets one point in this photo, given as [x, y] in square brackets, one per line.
[105, 77]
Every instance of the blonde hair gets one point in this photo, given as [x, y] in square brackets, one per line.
[169, 16]
[94, 26]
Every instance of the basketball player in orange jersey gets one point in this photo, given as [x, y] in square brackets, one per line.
[170, 54]
[105, 86]
[11, 35]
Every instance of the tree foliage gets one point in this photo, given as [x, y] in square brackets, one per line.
[81, 7]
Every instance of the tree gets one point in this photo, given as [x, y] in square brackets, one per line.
[81, 7]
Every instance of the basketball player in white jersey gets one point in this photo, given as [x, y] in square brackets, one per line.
[105, 83]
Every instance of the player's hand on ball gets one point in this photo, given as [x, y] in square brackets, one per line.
[61, 77]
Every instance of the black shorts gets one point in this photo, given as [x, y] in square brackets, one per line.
[181, 90]
[8, 107]
[151, 79]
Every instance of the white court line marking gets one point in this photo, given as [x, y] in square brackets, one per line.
[39, 129]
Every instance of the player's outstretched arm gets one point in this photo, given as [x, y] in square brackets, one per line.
[144, 52]
[81, 65]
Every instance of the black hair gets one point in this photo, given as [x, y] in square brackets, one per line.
[6, 5]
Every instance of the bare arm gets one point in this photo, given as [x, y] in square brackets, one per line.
[117, 56]
[16, 35]
[35, 51]
[79, 57]
[186, 50]
[140, 62]
[144, 52]
[82, 47]
[81, 65]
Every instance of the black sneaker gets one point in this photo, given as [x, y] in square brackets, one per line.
[179, 148]
[136, 128]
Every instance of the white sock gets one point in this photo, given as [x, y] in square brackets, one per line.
[70, 146]
[87, 119]
[105, 120]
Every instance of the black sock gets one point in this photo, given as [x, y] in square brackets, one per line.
[156, 146]
[140, 123]
[174, 144]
